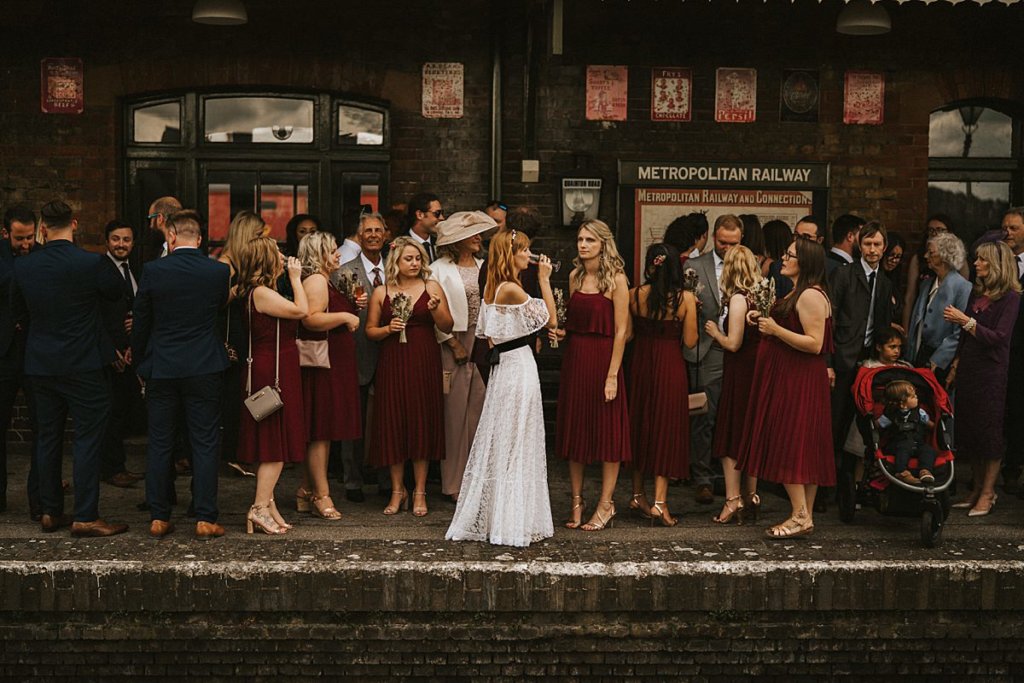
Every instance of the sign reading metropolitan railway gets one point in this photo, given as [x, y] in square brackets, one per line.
[724, 174]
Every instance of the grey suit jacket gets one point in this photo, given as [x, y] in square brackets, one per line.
[707, 353]
[936, 332]
[366, 350]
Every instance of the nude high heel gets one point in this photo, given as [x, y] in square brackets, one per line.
[402, 504]
[601, 522]
[574, 522]
[259, 518]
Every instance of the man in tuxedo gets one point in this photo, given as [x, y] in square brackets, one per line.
[18, 239]
[58, 289]
[182, 360]
[707, 357]
[125, 399]
[423, 214]
[844, 240]
[808, 228]
[368, 266]
[1013, 228]
[861, 297]
[155, 245]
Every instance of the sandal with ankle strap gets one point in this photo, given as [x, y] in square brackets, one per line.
[419, 510]
[324, 510]
[636, 506]
[601, 522]
[662, 516]
[735, 511]
[791, 528]
[573, 522]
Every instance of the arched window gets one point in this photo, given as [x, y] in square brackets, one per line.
[276, 153]
[975, 164]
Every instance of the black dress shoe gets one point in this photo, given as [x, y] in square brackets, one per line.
[354, 495]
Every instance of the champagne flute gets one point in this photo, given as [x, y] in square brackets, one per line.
[555, 265]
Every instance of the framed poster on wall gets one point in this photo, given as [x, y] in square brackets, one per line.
[654, 193]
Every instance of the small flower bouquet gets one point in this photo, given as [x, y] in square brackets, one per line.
[401, 308]
[347, 284]
[692, 284]
[762, 297]
[560, 313]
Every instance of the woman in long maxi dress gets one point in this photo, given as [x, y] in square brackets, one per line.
[408, 413]
[593, 416]
[981, 371]
[504, 497]
[664, 321]
[273, 321]
[788, 436]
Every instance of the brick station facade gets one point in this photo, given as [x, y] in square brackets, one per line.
[935, 55]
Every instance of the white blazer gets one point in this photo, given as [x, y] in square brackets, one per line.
[446, 273]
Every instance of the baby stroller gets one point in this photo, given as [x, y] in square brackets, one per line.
[880, 486]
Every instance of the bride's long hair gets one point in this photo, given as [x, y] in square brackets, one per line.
[501, 260]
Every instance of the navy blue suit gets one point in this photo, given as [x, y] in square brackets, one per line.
[178, 351]
[58, 290]
[12, 375]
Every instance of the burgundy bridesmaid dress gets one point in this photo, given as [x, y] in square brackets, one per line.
[590, 429]
[408, 413]
[331, 395]
[738, 369]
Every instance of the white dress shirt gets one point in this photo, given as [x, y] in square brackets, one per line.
[372, 269]
[846, 257]
[348, 250]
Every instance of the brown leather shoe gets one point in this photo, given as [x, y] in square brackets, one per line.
[159, 528]
[122, 480]
[51, 523]
[207, 530]
[704, 496]
[136, 476]
[97, 528]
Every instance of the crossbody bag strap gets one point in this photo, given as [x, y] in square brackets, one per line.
[277, 357]
[248, 360]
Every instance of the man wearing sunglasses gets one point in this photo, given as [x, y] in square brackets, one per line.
[422, 216]
[497, 210]
[156, 239]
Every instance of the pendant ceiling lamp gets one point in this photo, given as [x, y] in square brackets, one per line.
[220, 12]
[861, 18]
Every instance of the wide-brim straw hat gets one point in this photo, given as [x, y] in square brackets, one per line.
[463, 224]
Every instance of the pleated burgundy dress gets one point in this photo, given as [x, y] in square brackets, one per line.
[788, 438]
[408, 413]
[590, 429]
[659, 399]
[280, 437]
[331, 395]
[737, 371]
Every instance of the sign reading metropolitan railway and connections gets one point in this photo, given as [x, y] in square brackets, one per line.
[663, 191]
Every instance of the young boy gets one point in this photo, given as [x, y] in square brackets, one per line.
[907, 427]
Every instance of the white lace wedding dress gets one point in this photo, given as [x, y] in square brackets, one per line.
[504, 496]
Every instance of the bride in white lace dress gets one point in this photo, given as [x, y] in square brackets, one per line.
[504, 497]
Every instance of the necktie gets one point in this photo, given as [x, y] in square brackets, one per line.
[871, 283]
[129, 290]
[376, 278]
[127, 275]
[429, 244]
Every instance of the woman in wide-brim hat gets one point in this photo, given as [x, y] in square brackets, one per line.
[457, 270]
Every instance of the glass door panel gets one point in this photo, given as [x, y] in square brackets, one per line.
[282, 195]
[275, 192]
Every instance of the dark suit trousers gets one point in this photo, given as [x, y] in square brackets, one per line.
[199, 398]
[124, 394]
[11, 379]
[86, 398]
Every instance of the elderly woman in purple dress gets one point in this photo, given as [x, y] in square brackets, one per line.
[981, 368]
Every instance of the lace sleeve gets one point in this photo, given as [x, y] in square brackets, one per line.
[510, 322]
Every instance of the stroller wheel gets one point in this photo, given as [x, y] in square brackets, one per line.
[931, 528]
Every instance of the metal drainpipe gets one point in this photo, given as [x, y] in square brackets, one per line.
[496, 117]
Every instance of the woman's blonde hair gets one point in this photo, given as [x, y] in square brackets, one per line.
[398, 245]
[315, 253]
[610, 264]
[740, 271]
[259, 266]
[501, 260]
[245, 227]
[1002, 271]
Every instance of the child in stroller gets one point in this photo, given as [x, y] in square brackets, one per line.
[906, 426]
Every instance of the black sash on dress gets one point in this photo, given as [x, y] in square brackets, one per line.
[494, 357]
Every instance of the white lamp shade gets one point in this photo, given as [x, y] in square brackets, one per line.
[861, 18]
[219, 12]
